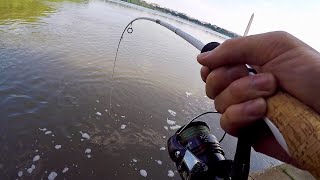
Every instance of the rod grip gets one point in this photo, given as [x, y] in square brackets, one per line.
[300, 127]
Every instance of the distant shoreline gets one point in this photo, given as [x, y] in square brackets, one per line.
[156, 7]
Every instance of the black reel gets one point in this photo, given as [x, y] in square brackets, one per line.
[198, 154]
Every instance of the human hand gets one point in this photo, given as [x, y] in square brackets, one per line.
[281, 60]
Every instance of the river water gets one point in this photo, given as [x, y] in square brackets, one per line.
[56, 61]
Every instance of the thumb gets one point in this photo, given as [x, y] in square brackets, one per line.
[253, 50]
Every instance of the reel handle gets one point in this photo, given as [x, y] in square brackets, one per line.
[298, 124]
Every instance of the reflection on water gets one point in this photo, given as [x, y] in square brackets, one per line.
[27, 10]
[23, 10]
[56, 61]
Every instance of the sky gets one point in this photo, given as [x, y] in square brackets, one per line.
[300, 18]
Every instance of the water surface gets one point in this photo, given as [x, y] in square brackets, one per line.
[56, 62]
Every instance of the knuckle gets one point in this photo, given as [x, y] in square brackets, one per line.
[210, 77]
[228, 123]
[217, 105]
[208, 92]
[203, 73]
[285, 39]
[236, 89]
[211, 85]
[221, 104]
[281, 33]
[227, 43]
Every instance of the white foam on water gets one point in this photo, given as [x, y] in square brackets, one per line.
[98, 101]
[123, 116]
[98, 113]
[52, 135]
[36, 158]
[20, 173]
[171, 122]
[162, 148]
[123, 126]
[65, 170]
[166, 127]
[89, 156]
[143, 173]
[85, 135]
[43, 129]
[163, 137]
[159, 162]
[172, 112]
[170, 173]
[52, 176]
[106, 110]
[118, 105]
[87, 151]
[31, 169]
[48, 132]
[57, 146]
[134, 160]
[175, 127]
[82, 139]
[188, 94]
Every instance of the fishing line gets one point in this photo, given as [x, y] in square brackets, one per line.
[129, 30]
[193, 41]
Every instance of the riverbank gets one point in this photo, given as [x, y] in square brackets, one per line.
[281, 172]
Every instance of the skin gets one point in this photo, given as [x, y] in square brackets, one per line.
[282, 62]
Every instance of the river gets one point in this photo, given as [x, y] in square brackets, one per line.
[56, 60]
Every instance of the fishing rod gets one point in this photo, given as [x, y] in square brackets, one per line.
[197, 153]
[197, 157]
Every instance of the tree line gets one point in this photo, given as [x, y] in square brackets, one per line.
[183, 16]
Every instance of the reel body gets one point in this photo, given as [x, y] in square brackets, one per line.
[198, 154]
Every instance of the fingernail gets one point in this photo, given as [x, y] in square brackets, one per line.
[203, 55]
[256, 108]
[261, 82]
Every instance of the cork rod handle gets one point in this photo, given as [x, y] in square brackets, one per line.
[300, 127]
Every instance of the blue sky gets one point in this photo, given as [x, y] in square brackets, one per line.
[300, 18]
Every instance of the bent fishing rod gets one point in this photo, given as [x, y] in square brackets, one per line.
[197, 153]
